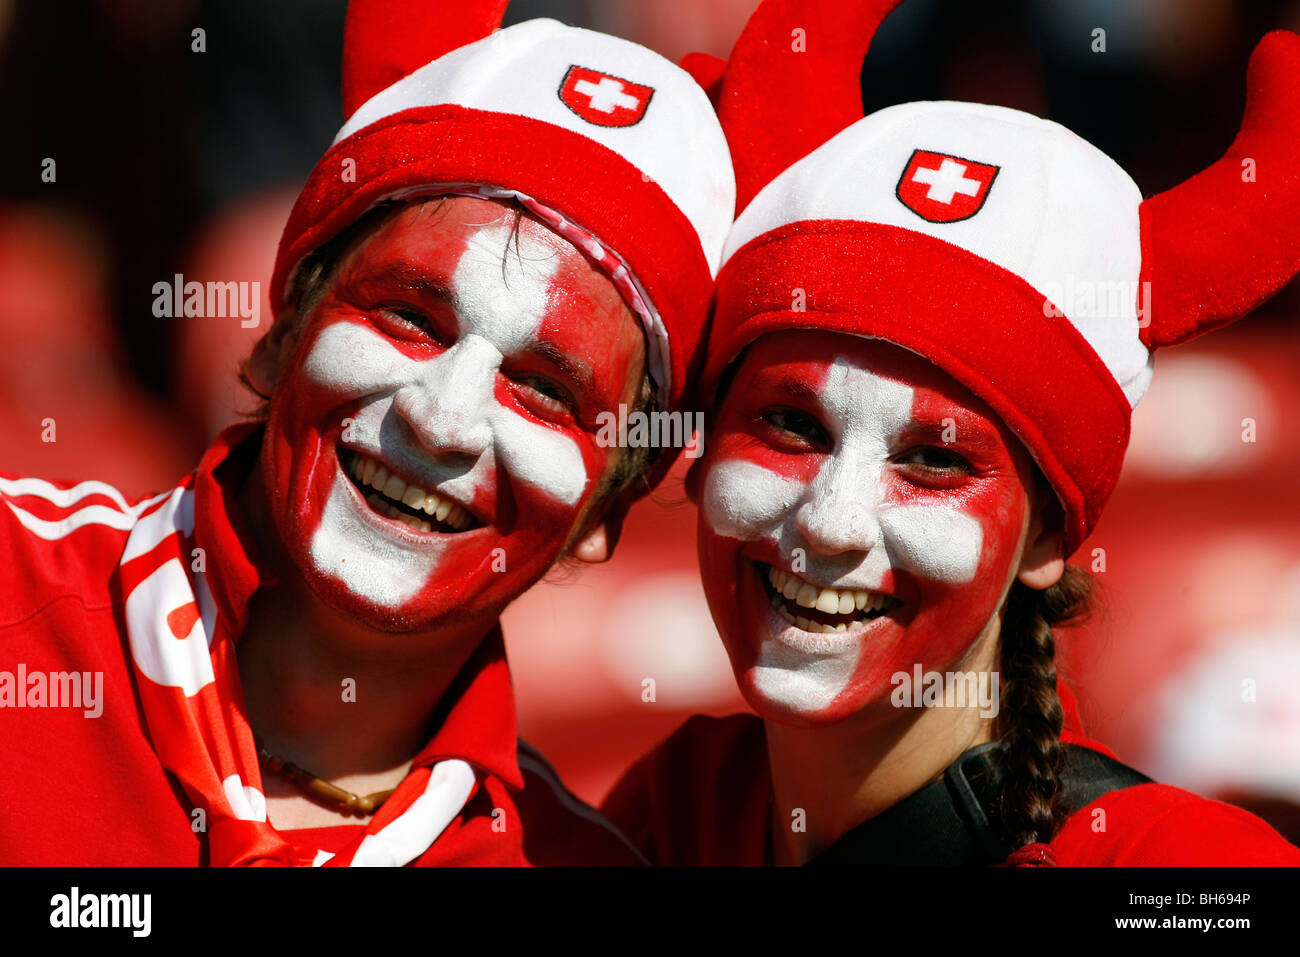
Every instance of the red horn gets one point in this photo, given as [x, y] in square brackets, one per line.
[1226, 240]
[793, 82]
[384, 40]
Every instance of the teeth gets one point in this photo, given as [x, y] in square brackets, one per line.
[799, 621]
[832, 601]
[394, 489]
[829, 601]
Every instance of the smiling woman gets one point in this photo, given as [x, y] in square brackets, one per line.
[865, 517]
[909, 439]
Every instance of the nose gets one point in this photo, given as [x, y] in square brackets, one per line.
[446, 405]
[839, 514]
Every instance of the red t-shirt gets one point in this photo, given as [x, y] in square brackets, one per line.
[703, 798]
[77, 789]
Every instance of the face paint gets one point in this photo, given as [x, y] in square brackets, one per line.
[458, 355]
[841, 466]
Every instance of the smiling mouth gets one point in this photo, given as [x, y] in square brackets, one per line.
[393, 497]
[817, 609]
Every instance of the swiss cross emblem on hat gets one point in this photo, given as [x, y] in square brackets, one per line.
[943, 188]
[604, 99]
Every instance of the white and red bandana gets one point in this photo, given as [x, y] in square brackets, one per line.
[192, 701]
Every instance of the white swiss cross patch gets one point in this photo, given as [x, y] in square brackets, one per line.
[945, 189]
[603, 99]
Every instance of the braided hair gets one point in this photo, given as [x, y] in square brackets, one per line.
[1030, 719]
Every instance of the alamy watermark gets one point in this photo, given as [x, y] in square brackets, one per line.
[208, 300]
[75, 909]
[641, 430]
[53, 689]
[1091, 299]
[950, 689]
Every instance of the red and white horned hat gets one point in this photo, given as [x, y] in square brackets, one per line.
[1000, 246]
[611, 144]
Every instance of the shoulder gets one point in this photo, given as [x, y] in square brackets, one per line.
[60, 539]
[559, 828]
[1159, 825]
[700, 797]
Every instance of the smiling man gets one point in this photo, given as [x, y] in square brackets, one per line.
[514, 233]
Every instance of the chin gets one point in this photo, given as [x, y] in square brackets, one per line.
[794, 698]
[805, 667]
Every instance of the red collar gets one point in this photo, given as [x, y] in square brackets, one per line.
[476, 719]
[235, 569]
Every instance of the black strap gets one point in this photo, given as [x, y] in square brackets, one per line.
[954, 822]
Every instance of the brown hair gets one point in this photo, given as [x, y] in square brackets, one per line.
[1029, 722]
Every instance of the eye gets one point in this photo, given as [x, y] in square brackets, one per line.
[798, 425]
[543, 396]
[935, 461]
[406, 317]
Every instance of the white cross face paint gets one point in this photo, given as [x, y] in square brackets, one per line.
[443, 354]
[860, 512]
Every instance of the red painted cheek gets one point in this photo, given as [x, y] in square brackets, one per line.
[720, 569]
[949, 617]
[306, 421]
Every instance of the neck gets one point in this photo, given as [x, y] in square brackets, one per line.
[326, 691]
[844, 774]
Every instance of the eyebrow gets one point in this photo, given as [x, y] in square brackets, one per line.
[576, 369]
[799, 389]
[404, 275]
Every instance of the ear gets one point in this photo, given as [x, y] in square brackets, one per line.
[272, 351]
[1043, 560]
[597, 543]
